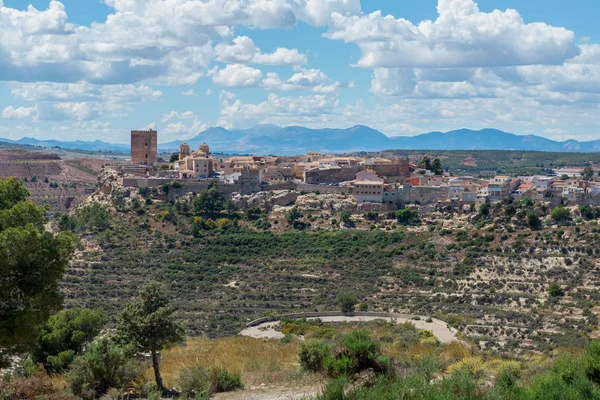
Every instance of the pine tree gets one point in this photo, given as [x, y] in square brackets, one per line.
[150, 326]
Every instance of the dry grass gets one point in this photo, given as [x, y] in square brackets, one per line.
[268, 362]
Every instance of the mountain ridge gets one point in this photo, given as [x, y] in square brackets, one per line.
[272, 139]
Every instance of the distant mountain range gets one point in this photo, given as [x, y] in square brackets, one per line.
[271, 139]
[96, 145]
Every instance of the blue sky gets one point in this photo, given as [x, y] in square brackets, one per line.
[96, 69]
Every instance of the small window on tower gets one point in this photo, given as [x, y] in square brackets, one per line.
[146, 155]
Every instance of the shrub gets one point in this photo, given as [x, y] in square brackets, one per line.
[591, 361]
[533, 222]
[335, 390]
[312, 355]
[560, 214]
[37, 386]
[64, 336]
[345, 216]
[356, 351]
[200, 381]
[225, 381]
[347, 301]
[555, 290]
[407, 216]
[104, 365]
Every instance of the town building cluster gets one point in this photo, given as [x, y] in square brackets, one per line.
[368, 179]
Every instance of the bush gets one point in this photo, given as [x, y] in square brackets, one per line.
[407, 216]
[104, 365]
[200, 381]
[64, 336]
[347, 301]
[335, 390]
[591, 361]
[555, 290]
[533, 222]
[355, 352]
[225, 381]
[560, 214]
[362, 349]
[37, 386]
[345, 216]
[312, 355]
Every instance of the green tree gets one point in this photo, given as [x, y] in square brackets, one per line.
[407, 216]
[293, 216]
[587, 212]
[484, 210]
[555, 290]
[425, 163]
[346, 216]
[95, 216]
[533, 221]
[104, 365]
[174, 157]
[230, 207]
[150, 326]
[564, 177]
[347, 301]
[210, 201]
[64, 336]
[560, 214]
[587, 173]
[12, 191]
[32, 261]
[436, 167]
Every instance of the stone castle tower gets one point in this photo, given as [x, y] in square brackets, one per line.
[144, 147]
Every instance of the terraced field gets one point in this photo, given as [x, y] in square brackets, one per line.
[51, 180]
[491, 285]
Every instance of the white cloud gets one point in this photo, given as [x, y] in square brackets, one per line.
[175, 129]
[20, 113]
[303, 79]
[275, 109]
[243, 50]
[168, 42]
[462, 36]
[189, 92]
[237, 75]
[83, 92]
[281, 56]
[79, 111]
[177, 115]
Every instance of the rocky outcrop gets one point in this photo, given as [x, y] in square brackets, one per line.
[333, 203]
[265, 200]
[109, 181]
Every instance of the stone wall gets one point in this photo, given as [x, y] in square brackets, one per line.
[333, 175]
[303, 187]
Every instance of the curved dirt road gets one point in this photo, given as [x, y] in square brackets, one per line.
[438, 327]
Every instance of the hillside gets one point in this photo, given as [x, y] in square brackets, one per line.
[51, 180]
[488, 277]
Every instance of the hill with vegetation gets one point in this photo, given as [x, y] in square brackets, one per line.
[517, 280]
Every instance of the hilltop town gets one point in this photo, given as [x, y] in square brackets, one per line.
[368, 179]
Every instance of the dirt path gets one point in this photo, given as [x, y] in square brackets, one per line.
[291, 393]
[438, 327]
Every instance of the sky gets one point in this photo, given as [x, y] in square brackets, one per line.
[96, 69]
